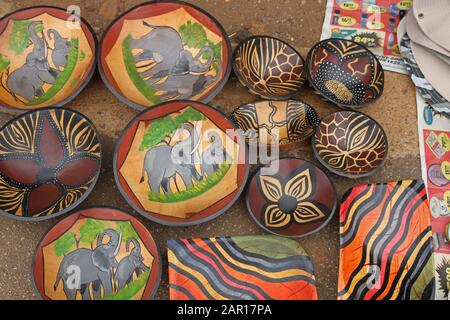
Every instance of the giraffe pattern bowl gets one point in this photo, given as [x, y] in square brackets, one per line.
[345, 73]
[350, 144]
[269, 68]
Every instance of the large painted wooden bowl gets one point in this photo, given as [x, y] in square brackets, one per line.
[181, 163]
[345, 73]
[350, 144]
[273, 123]
[46, 58]
[161, 51]
[269, 68]
[49, 163]
[291, 197]
[99, 253]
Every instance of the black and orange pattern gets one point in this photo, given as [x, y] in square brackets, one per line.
[240, 268]
[386, 243]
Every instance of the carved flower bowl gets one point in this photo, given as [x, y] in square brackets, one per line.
[269, 68]
[291, 197]
[49, 163]
[46, 58]
[350, 144]
[345, 73]
[268, 123]
[161, 51]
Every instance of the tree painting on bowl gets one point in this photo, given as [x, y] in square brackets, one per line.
[178, 164]
[43, 62]
[97, 254]
[164, 51]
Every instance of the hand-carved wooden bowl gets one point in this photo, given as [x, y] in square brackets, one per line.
[46, 58]
[350, 144]
[161, 51]
[49, 162]
[267, 123]
[256, 268]
[345, 73]
[291, 197]
[98, 253]
[269, 68]
[181, 163]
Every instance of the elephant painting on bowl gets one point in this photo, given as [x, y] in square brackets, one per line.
[130, 265]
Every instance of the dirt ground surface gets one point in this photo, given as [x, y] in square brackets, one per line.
[297, 21]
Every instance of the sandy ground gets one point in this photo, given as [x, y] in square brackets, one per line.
[298, 22]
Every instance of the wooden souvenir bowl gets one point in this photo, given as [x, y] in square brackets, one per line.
[49, 163]
[267, 123]
[257, 267]
[291, 197]
[43, 60]
[345, 73]
[269, 68]
[161, 51]
[350, 144]
[76, 258]
[181, 163]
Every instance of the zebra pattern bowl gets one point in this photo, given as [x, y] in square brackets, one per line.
[269, 67]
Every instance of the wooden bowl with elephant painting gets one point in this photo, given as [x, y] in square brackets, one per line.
[162, 51]
[98, 253]
[345, 73]
[274, 123]
[350, 144]
[269, 68]
[47, 56]
[181, 163]
[50, 161]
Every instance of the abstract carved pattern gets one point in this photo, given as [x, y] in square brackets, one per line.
[386, 243]
[350, 144]
[49, 160]
[276, 122]
[240, 268]
[269, 67]
[345, 72]
[296, 200]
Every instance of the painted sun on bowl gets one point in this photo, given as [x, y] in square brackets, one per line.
[44, 61]
[99, 253]
[162, 51]
[181, 163]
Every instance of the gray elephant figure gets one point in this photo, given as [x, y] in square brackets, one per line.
[186, 63]
[83, 267]
[61, 48]
[214, 155]
[130, 265]
[162, 163]
[27, 81]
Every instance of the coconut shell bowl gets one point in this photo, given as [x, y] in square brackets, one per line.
[268, 123]
[350, 144]
[49, 162]
[291, 197]
[161, 51]
[345, 73]
[99, 253]
[44, 60]
[269, 68]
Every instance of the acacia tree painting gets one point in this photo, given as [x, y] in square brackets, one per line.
[90, 230]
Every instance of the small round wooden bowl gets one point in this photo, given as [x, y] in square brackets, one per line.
[291, 197]
[162, 51]
[46, 58]
[99, 253]
[350, 144]
[269, 67]
[268, 123]
[345, 73]
[49, 163]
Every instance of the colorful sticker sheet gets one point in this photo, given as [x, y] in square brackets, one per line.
[386, 243]
[372, 23]
[434, 137]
